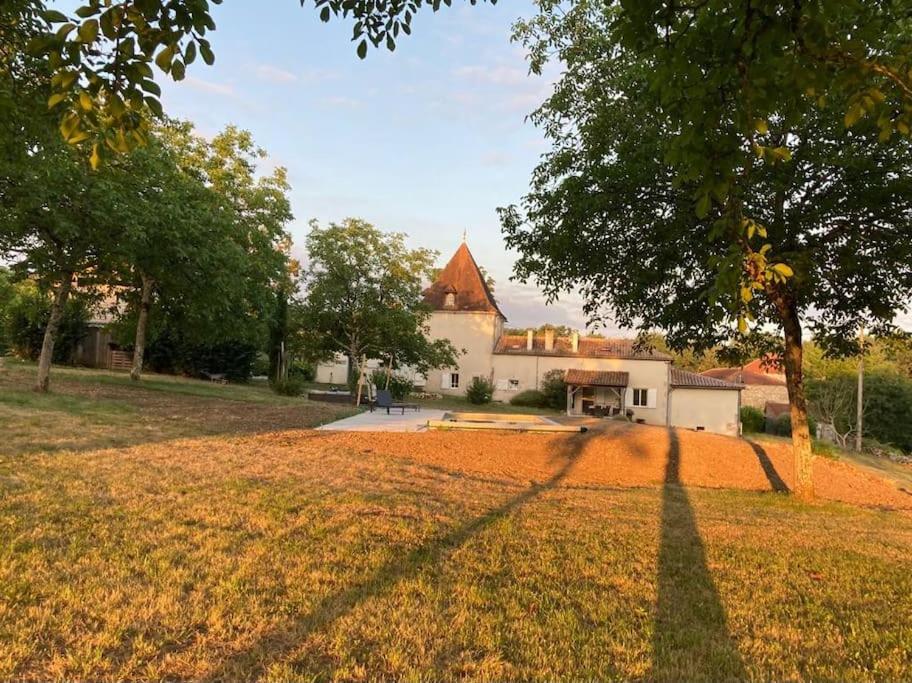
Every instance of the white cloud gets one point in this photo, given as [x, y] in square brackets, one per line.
[210, 87]
[273, 74]
[495, 159]
[342, 102]
[492, 75]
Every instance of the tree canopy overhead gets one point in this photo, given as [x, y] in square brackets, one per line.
[672, 199]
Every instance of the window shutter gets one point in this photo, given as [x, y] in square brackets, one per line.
[503, 384]
[651, 398]
[628, 398]
[445, 381]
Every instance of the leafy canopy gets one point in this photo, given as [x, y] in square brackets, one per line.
[363, 290]
[612, 211]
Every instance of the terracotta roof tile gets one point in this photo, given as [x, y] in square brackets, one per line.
[589, 347]
[749, 377]
[462, 278]
[596, 378]
[692, 380]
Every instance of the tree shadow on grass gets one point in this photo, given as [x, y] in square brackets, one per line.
[277, 644]
[769, 469]
[691, 639]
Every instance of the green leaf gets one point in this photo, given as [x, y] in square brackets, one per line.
[704, 204]
[52, 16]
[163, 60]
[56, 99]
[88, 31]
[206, 53]
[362, 49]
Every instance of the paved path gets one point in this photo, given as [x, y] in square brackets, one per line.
[379, 421]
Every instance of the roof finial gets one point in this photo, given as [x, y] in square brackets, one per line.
[464, 233]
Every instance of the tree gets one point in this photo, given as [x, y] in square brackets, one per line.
[57, 218]
[612, 206]
[363, 297]
[207, 237]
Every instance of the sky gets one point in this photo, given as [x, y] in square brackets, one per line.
[428, 140]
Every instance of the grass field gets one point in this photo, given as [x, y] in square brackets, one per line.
[310, 556]
[90, 409]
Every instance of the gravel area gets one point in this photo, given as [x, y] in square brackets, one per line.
[618, 455]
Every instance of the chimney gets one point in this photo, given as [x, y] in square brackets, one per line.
[549, 339]
[530, 335]
[574, 341]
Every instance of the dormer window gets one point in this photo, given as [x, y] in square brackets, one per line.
[449, 299]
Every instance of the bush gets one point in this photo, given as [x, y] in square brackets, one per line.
[169, 353]
[782, 426]
[554, 388]
[289, 387]
[303, 371]
[260, 366]
[399, 387]
[530, 398]
[752, 419]
[480, 390]
[27, 315]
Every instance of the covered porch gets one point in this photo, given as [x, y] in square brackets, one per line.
[599, 393]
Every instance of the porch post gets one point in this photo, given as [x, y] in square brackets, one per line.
[569, 400]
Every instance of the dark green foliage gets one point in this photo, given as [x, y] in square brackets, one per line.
[7, 291]
[168, 353]
[26, 319]
[302, 371]
[261, 365]
[782, 426]
[480, 390]
[292, 386]
[888, 409]
[530, 398]
[399, 387]
[555, 389]
[752, 419]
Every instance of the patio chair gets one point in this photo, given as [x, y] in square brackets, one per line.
[385, 400]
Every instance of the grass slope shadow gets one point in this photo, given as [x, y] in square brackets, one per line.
[776, 482]
[277, 644]
[691, 639]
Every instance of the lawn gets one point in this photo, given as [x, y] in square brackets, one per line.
[310, 556]
[90, 409]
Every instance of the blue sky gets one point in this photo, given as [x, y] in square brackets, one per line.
[427, 140]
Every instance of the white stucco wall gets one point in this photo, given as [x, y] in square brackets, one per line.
[715, 410]
[476, 333]
[334, 371]
[529, 370]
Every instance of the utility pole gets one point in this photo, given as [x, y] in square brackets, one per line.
[859, 411]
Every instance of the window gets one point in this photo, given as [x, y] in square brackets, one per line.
[449, 300]
[513, 384]
[640, 398]
[454, 380]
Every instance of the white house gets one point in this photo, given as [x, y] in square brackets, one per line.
[604, 376]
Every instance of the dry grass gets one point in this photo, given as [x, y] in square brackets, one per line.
[91, 409]
[305, 556]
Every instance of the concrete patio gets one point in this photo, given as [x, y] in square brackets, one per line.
[379, 421]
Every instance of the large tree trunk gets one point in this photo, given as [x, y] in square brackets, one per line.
[139, 345]
[794, 378]
[50, 332]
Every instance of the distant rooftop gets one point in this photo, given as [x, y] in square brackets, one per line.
[691, 380]
[589, 347]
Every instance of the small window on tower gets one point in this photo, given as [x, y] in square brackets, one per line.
[450, 300]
